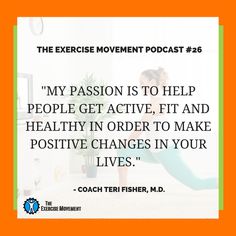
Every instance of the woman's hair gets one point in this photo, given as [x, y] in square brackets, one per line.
[153, 74]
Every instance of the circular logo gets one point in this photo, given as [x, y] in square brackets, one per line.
[31, 206]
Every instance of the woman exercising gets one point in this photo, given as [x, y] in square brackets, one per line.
[170, 158]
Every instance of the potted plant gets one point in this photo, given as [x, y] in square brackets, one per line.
[89, 154]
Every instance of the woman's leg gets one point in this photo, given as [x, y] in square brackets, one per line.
[174, 165]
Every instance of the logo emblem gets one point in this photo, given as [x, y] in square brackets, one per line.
[31, 206]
